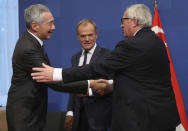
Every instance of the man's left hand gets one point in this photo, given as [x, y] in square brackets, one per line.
[44, 74]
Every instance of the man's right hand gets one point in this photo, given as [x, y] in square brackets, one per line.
[100, 86]
[68, 123]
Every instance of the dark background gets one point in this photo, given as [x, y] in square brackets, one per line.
[107, 13]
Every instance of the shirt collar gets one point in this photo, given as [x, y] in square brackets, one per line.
[39, 40]
[91, 51]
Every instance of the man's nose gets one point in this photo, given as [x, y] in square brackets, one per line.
[53, 27]
[87, 38]
[121, 25]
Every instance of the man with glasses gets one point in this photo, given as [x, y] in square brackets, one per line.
[143, 99]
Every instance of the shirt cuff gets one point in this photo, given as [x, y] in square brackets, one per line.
[69, 113]
[57, 74]
[89, 89]
[111, 84]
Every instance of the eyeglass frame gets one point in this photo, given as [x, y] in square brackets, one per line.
[122, 19]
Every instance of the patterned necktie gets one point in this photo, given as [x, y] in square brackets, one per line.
[85, 57]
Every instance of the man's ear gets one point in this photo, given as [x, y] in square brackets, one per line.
[135, 22]
[96, 33]
[35, 26]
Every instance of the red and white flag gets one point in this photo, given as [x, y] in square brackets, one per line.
[158, 29]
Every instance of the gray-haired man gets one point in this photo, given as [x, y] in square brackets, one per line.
[27, 100]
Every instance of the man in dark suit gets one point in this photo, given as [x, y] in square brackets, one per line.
[91, 113]
[27, 100]
[143, 99]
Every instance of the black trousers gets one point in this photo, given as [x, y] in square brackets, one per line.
[83, 124]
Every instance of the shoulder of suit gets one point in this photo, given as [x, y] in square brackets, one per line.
[27, 41]
[127, 43]
[104, 51]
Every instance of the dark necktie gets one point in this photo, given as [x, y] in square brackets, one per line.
[85, 57]
[45, 55]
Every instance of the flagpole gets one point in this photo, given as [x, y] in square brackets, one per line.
[155, 4]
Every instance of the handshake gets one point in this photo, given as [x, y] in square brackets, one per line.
[101, 86]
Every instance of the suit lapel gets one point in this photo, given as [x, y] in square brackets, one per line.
[77, 58]
[33, 39]
[38, 46]
[96, 54]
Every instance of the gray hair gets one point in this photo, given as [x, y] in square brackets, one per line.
[34, 14]
[85, 22]
[141, 13]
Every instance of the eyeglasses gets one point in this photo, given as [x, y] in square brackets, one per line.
[123, 19]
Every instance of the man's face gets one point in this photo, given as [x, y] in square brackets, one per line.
[46, 27]
[126, 25]
[87, 36]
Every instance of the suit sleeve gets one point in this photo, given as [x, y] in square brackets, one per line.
[72, 87]
[71, 102]
[118, 60]
[34, 58]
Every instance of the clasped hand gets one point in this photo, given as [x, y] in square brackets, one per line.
[100, 86]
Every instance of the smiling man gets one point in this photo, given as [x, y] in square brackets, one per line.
[90, 113]
[27, 99]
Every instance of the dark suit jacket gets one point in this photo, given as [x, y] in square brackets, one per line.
[98, 108]
[143, 99]
[27, 100]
